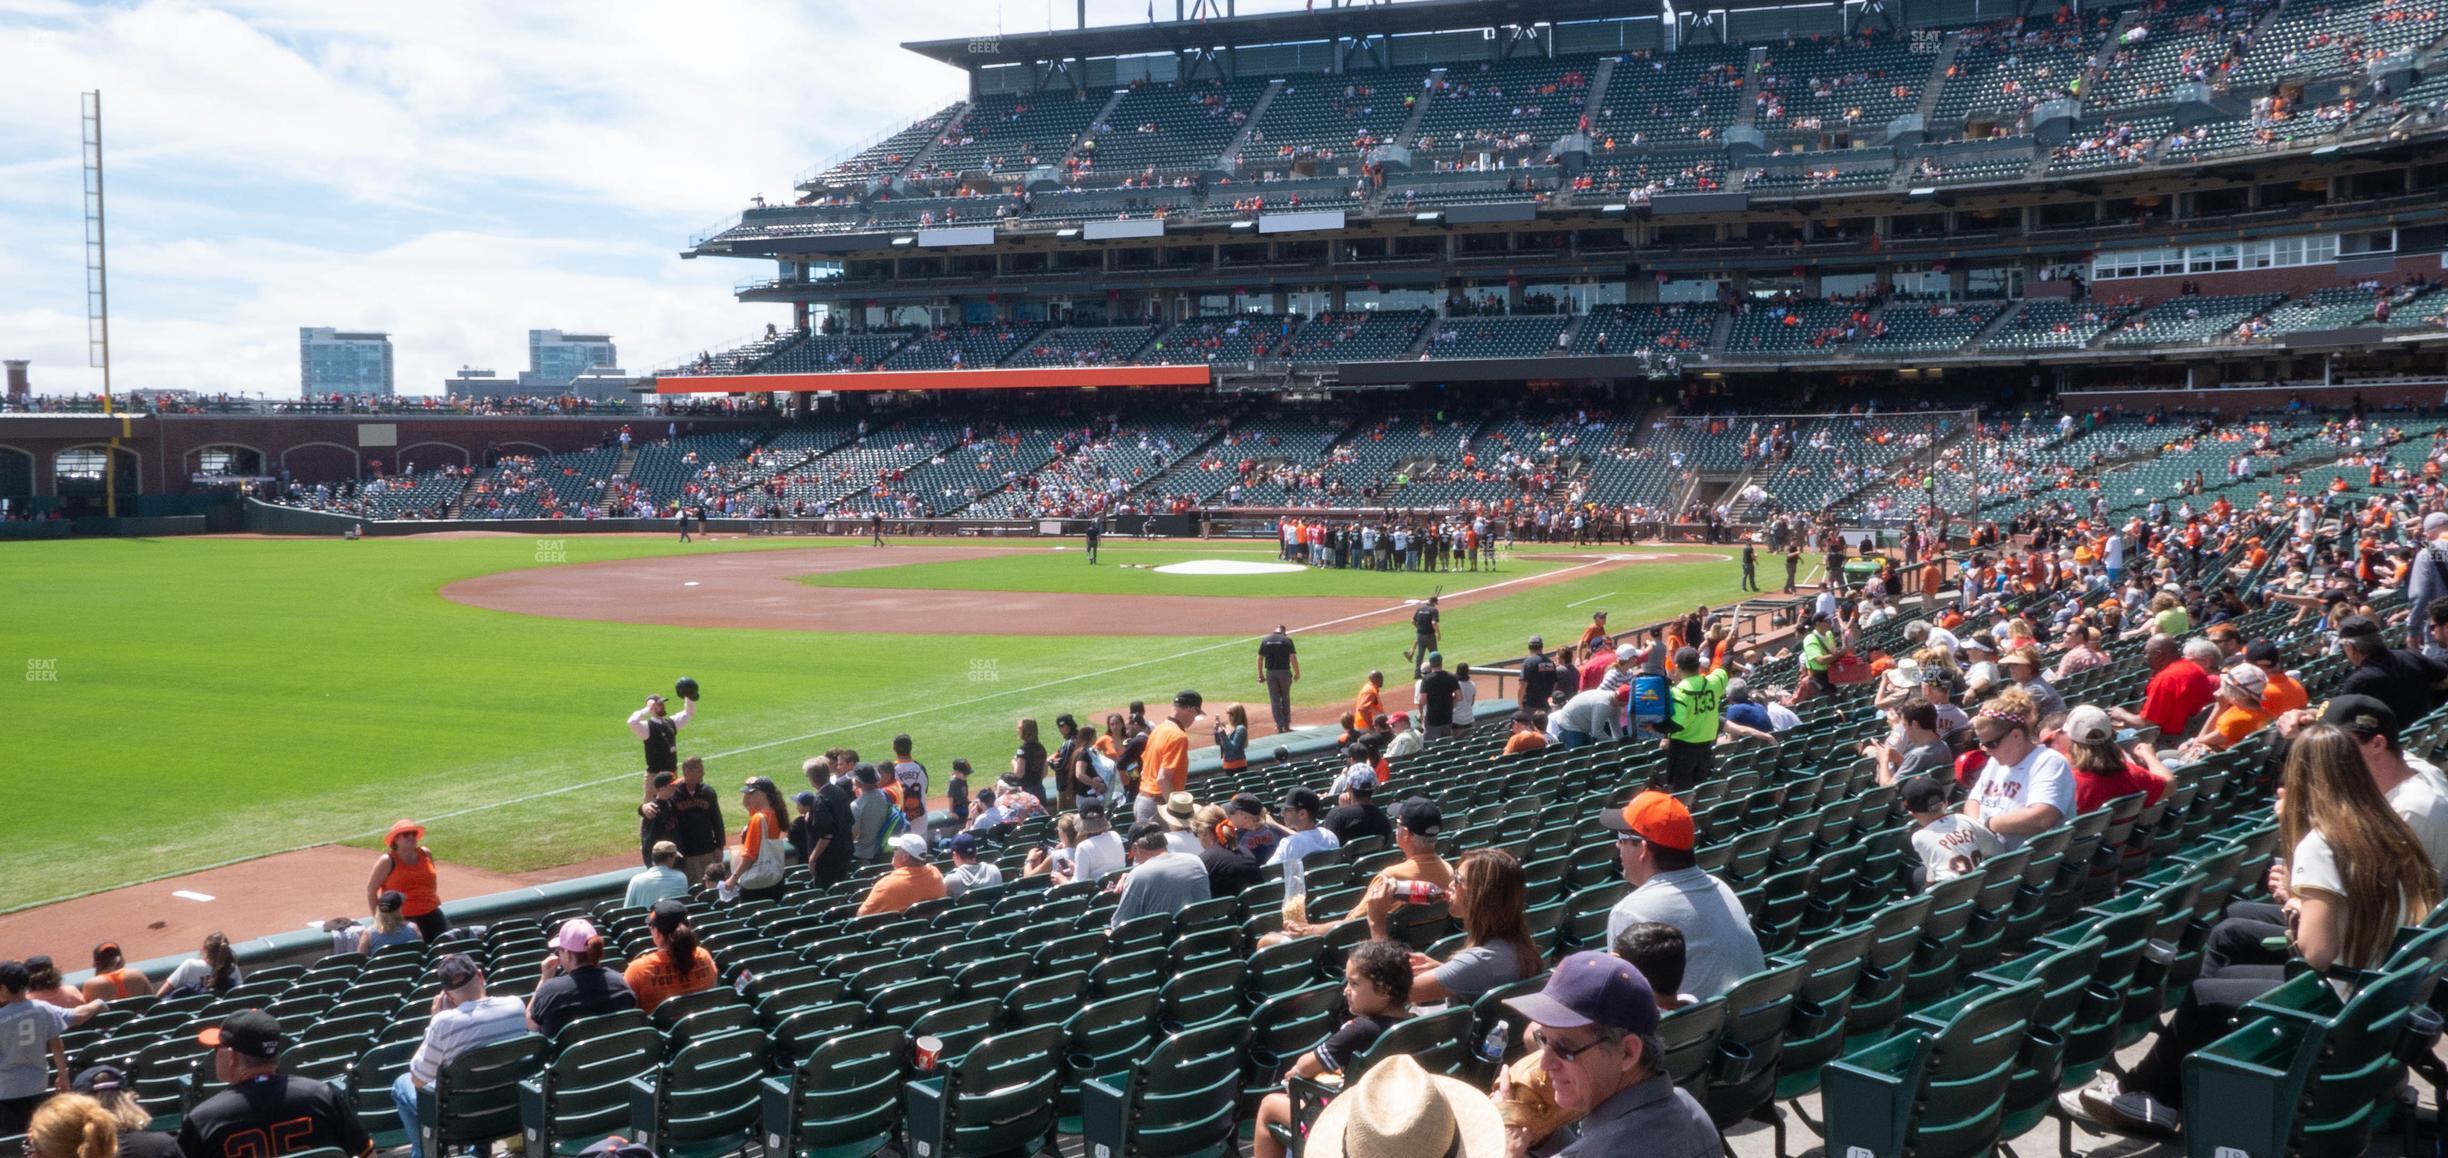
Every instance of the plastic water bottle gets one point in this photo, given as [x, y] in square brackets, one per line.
[1492, 1047]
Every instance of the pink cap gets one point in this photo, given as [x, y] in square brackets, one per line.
[574, 935]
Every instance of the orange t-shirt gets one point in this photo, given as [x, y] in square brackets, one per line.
[414, 883]
[752, 838]
[2233, 724]
[1164, 768]
[896, 891]
[1367, 707]
[2283, 695]
[653, 979]
[1525, 742]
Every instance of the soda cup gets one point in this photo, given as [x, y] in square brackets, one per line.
[1418, 892]
[927, 1049]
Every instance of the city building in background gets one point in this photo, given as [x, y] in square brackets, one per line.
[599, 384]
[334, 361]
[557, 357]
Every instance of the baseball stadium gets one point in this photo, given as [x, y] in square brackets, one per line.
[1469, 577]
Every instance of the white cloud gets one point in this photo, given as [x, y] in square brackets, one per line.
[454, 171]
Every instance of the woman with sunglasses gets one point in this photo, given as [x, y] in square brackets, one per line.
[2355, 874]
[2026, 788]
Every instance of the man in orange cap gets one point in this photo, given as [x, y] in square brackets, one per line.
[1654, 838]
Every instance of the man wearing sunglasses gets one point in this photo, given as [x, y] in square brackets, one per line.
[1595, 1025]
[1654, 839]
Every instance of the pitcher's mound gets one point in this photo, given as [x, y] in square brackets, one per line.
[1228, 567]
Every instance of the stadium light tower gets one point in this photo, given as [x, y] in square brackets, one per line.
[97, 293]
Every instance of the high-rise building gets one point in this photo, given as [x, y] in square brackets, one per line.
[343, 361]
[555, 358]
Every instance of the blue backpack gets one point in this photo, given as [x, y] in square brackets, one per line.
[1650, 702]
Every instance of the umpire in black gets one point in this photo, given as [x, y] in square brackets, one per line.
[1278, 669]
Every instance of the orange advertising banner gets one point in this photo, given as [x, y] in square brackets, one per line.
[1044, 378]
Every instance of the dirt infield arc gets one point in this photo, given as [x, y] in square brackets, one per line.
[759, 589]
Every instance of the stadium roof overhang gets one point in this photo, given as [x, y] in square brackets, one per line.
[1329, 23]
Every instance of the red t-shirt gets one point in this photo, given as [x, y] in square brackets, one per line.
[2179, 690]
[1594, 672]
[2092, 790]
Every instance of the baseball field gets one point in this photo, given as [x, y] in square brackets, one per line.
[191, 702]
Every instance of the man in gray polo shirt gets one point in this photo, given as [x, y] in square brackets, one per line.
[1160, 881]
[1654, 837]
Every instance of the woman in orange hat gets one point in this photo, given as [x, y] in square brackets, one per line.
[407, 868]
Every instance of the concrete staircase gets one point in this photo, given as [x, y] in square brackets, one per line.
[2005, 318]
[1229, 159]
[1939, 64]
[1103, 114]
[1409, 131]
[934, 145]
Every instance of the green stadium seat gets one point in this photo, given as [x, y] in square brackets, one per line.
[1759, 1013]
[842, 1101]
[1201, 995]
[997, 1100]
[702, 1102]
[1931, 1094]
[1102, 1037]
[1045, 1001]
[959, 1026]
[1280, 1030]
[474, 1097]
[582, 1095]
[804, 1030]
[1181, 1101]
[2305, 1075]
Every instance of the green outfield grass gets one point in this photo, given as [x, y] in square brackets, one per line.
[1127, 569]
[194, 701]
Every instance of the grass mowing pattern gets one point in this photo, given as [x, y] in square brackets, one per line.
[222, 699]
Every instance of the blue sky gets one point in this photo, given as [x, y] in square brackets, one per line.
[454, 173]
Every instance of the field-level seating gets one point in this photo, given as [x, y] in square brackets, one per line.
[1182, 1100]
[842, 1101]
[1932, 1092]
[474, 1097]
[2305, 1074]
[997, 1098]
[703, 1100]
[582, 1094]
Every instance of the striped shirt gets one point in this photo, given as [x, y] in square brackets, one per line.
[455, 1031]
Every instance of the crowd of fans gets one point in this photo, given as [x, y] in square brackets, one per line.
[2301, 623]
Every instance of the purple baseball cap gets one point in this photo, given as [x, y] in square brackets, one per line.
[1592, 988]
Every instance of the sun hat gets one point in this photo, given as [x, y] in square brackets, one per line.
[1177, 811]
[1400, 1110]
[1905, 674]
